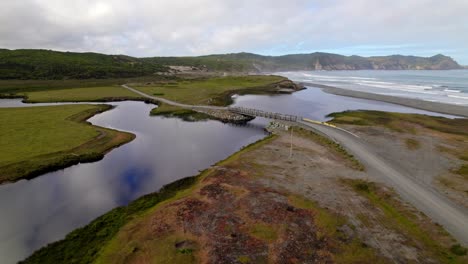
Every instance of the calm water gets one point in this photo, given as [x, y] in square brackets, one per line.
[316, 104]
[42, 210]
[439, 86]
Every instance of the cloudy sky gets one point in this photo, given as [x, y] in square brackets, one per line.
[271, 27]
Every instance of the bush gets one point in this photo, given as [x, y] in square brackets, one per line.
[458, 250]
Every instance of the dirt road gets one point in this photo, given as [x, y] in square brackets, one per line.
[453, 217]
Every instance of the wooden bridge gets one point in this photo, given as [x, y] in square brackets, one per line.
[259, 113]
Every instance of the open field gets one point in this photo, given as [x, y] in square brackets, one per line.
[434, 150]
[40, 139]
[261, 206]
[23, 86]
[213, 91]
[106, 93]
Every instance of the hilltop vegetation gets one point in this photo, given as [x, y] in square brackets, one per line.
[46, 64]
[53, 65]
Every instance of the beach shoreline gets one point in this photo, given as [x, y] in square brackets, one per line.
[442, 108]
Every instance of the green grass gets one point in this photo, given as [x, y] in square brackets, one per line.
[396, 121]
[462, 171]
[175, 111]
[405, 221]
[106, 93]
[23, 86]
[213, 91]
[264, 232]
[40, 139]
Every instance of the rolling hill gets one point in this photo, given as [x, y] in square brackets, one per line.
[314, 61]
[47, 64]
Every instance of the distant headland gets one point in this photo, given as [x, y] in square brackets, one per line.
[48, 64]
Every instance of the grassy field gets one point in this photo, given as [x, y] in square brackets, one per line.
[214, 91]
[40, 139]
[395, 121]
[106, 93]
[23, 86]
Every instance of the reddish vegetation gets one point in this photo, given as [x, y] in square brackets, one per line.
[221, 218]
[256, 208]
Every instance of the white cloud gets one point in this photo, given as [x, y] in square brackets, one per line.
[193, 27]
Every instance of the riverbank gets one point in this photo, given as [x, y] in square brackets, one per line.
[456, 110]
[265, 203]
[49, 138]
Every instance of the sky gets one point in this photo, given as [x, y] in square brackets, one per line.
[145, 28]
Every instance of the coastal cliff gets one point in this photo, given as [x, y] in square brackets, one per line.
[248, 62]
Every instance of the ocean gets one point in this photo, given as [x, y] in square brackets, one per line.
[438, 86]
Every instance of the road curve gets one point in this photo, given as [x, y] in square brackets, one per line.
[439, 208]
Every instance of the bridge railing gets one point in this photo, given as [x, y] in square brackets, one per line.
[260, 113]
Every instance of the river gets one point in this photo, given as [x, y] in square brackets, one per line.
[42, 210]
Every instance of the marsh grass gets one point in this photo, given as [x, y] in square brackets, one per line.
[401, 122]
[89, 94]
[36, 140]
[170, 111]
[213, 91]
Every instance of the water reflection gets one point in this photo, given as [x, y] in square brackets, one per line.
[45, 209]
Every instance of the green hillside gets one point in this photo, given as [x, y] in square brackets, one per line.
[248, 62]
[46, 64]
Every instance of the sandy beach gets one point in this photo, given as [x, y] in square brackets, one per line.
[457, 110]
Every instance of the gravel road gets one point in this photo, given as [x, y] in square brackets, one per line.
[452, 217]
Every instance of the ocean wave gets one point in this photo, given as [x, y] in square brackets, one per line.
[458, 96]
[363, 78]
[400, 87]
[451, 90]
[376, 82]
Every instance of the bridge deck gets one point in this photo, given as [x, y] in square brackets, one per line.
[260, 113]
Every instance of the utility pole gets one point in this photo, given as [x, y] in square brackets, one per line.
[290, 149]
